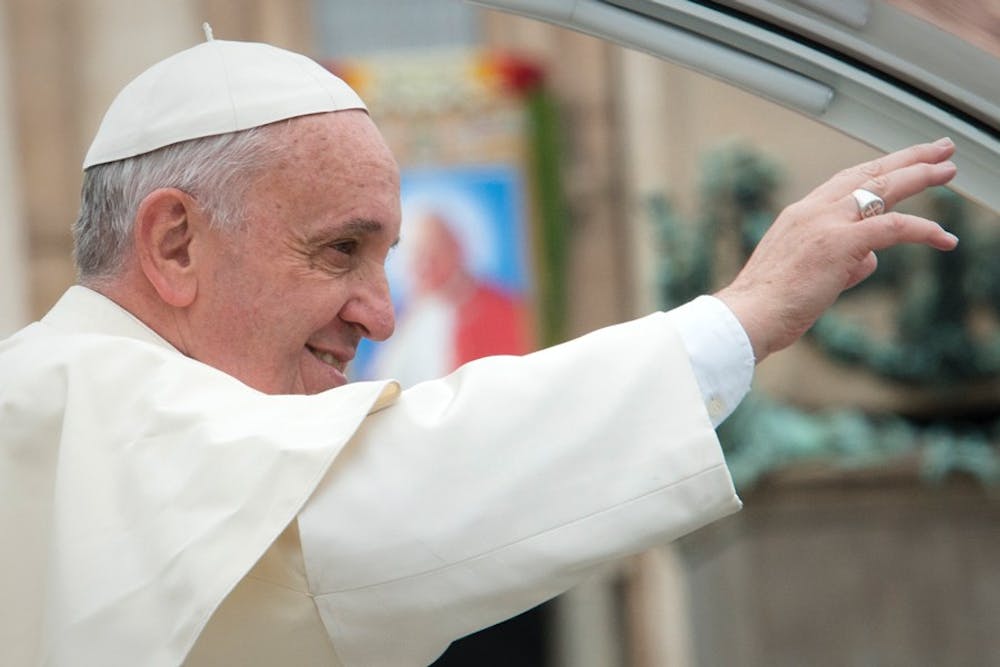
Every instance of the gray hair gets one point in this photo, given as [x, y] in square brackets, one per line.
[218, 171]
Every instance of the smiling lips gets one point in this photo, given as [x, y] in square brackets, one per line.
[328, 358]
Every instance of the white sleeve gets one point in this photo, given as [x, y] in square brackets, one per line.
[482, 494]
[720, 353]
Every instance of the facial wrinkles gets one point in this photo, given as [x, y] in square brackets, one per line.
[356, 279]
[320, 199]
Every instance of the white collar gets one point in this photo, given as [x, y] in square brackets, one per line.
[82, 310]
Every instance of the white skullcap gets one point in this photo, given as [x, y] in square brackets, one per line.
[213, 88]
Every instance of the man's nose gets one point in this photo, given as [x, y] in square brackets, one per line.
[372, 309]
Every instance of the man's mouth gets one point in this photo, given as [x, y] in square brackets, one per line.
[327, 358]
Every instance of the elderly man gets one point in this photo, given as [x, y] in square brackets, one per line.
[186, 476]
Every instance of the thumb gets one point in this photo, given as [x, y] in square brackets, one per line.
[862, 270]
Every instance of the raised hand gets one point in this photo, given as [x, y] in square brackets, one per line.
[821, 245]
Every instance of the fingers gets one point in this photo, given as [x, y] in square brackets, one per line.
[862, 270]
[904, 183]
[820, 245]
[872, 172]
[908, 181]
[893, 228]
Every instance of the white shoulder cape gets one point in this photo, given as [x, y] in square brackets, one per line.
[129, 515]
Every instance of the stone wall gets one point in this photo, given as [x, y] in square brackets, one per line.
[834, 569]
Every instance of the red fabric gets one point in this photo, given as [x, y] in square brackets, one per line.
[490, 322]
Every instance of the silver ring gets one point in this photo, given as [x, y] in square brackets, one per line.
[869, 203]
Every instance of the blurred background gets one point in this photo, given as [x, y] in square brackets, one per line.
[579, 184]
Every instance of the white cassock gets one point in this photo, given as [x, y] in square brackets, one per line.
[156, 511]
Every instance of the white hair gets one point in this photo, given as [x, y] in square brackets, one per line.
[216, 170]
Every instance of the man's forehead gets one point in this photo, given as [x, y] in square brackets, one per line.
[345, 140]
[351, 125]
[334, 177]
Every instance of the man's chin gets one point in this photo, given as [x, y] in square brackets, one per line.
[318, 388]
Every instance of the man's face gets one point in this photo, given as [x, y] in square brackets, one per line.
[437, 260]
[285, 300]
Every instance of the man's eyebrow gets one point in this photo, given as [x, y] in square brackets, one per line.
[361, 226]
[356, 226]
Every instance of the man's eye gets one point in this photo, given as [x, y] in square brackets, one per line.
[347, 247]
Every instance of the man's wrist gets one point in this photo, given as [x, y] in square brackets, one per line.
[746, 311]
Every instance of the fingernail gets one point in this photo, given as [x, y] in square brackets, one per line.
[943, 142]
[952, 237]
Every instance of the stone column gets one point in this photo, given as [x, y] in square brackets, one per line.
[118, 39]
[47, 156]
[658, 619]
[587, 625]
[13, 249]
[648, 159]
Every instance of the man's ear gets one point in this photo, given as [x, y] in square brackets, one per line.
[168, 227]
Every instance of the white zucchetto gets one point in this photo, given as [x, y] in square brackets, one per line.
[216, 87]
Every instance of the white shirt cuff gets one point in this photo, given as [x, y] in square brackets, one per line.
[720, 352]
